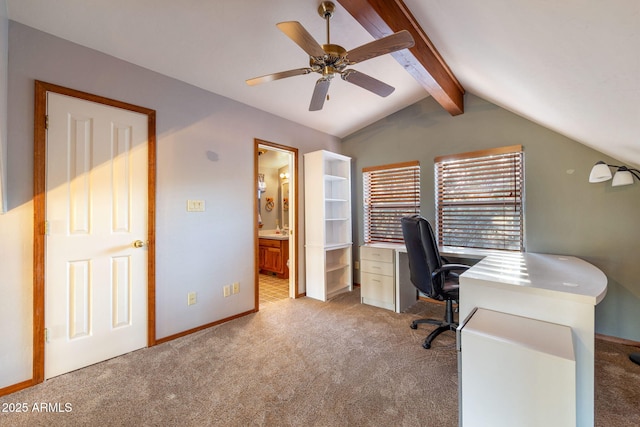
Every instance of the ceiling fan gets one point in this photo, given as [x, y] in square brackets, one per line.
[331, 59]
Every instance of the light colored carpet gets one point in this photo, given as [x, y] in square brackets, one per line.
[295, 363]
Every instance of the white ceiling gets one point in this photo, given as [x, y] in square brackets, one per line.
[572, 66]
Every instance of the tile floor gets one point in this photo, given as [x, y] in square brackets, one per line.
[272, 289]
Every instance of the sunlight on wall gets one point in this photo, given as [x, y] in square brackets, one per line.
[16, 288]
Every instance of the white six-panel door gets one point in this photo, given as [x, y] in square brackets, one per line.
[96, 253]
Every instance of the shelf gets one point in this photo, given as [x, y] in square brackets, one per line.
[335, 178]
[336, 245]
[336, 209]
[335, 267]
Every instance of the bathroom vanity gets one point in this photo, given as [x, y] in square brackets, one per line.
[273, 255]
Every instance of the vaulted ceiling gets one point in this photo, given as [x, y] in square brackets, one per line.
[571, 66]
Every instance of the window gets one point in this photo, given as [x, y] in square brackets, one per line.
[391, 192]
[479, 199]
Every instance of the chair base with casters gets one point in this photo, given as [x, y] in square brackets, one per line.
[635, 358]
[432, 275]
[443, 325]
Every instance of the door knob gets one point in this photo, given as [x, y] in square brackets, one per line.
[138, 244]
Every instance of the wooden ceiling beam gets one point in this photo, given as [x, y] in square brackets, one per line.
[383, 17]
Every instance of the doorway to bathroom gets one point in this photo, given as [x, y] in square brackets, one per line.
[276, 222]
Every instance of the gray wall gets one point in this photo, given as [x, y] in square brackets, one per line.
[4, 52]
[564, 214]
[205, 151]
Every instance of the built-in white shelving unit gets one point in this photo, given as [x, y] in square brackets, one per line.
[327, 188]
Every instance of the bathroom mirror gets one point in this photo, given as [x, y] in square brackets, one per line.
[284, 203]
[273, 166]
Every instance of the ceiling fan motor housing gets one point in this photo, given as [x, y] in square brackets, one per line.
[333, 61]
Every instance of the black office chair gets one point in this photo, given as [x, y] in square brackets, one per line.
[429, 273]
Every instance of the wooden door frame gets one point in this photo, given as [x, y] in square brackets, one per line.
[39, 204]
[294, 151]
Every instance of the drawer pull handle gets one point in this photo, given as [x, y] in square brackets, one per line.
[374, 280]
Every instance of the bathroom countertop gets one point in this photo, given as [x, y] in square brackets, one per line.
[271, 234]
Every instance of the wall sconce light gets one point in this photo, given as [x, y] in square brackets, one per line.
[623, 176]
[284, 175]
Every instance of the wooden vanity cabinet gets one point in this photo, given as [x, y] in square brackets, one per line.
[273, 257]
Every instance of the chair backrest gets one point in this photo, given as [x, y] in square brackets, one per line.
[423, 254]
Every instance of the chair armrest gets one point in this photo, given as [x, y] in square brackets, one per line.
[447, 268]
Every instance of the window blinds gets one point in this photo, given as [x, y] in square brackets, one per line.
[479, 199]
[391, 192]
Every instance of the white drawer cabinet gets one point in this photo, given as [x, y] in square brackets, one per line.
[377, 277]
[533, 384]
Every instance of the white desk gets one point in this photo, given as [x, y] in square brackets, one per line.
[405, 294]
[558, 289]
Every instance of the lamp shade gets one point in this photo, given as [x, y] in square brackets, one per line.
[622, 177]
[600, 173]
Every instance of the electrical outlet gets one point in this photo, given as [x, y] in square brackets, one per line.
[191, 298]
[236, 287]
[195, 205]
[356, 265]
[227, 291]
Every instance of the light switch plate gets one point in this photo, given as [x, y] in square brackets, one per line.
[195, 205]
[191, 298]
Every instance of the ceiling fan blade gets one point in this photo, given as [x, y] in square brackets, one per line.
[367, 82]
[296, 32]
[319, 94]
[391, 43]
[277, 76]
